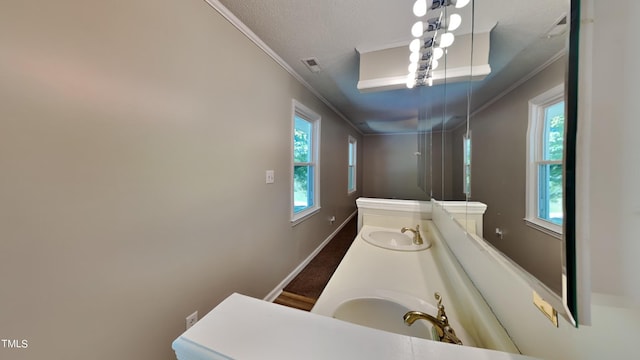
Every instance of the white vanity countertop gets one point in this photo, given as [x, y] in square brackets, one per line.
[368, 271]
[366, 266]
[242, 327]
[246, 328]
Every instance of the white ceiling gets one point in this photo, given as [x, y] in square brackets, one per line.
[331, 30]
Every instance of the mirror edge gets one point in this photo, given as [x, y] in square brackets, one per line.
[581, 49]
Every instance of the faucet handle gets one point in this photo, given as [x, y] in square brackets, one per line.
[450, 336]
[442, 315]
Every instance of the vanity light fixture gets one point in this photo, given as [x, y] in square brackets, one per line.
[446, 40]
[420, 7]
[415, 45]
[424, 55]
[413, 67]
[415, 57]
[411, 81]
[425, 51]
[424, 58]
[419, 28]
[437, 53]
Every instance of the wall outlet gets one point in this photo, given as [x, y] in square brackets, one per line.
[192, 319]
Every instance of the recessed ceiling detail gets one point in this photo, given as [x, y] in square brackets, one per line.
[386, 69]
[331, 30]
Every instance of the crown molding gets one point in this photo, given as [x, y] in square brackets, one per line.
[229, 16]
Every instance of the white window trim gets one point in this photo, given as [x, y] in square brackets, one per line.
[534, 133]
[310, 115]
[353, 141]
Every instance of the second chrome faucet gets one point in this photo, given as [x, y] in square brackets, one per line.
[417, 239]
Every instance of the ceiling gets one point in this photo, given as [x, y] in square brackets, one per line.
[332, 31]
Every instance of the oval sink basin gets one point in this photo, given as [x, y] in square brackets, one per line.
[384, 309]
[393, 239]
[384, 315]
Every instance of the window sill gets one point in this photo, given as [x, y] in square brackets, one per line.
[544, 227]
[304, 216]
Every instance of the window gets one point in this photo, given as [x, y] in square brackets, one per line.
[466, 164]
[545, 151]
[305, 193]
[353, 148]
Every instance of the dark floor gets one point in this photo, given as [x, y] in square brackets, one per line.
[304, 289]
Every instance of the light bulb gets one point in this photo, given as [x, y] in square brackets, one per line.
[437, 53]
[414, 57]
[420, 8]
[413, 67]
[446, 40]
[415, 45]
[455, 20]
[417, 29]
[411, 81]
[460, 3]
[434, 64]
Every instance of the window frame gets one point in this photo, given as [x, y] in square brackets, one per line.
[535, 146]
[300, 110]
[467, 143]
[352, 164]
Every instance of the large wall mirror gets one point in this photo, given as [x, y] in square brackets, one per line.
[507, 138]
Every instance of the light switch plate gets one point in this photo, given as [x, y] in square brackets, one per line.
[270, 177]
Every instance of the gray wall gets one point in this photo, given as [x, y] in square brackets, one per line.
[134, 139]
[390, 167]
[392, 170]
[498, 176]
[609, 151]
[437, 152]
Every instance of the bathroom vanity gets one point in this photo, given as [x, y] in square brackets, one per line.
[360, 313]
[403, 280]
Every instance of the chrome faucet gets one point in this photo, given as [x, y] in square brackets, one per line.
[440, 322]
[417, 239]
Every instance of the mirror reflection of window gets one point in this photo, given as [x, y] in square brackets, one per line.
[550, 165]
[351, 176]
[466, 164]
[545, 150]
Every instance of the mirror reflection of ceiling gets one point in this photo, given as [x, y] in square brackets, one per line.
[331, 31]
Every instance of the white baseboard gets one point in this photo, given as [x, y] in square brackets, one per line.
[278, 289]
